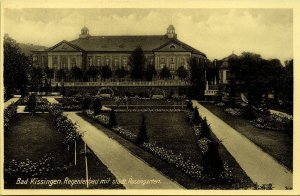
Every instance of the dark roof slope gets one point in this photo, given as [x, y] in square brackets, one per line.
[127, 43]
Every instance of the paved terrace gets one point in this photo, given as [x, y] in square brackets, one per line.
[125, 83]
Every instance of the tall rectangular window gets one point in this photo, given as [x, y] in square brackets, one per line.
[54, 62]
[73, 62]
[107, 61]
[90, 61]
[99, 61]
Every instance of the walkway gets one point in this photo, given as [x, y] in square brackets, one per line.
[52, 99]
[259, 166]
[119, 160]
[10, 101]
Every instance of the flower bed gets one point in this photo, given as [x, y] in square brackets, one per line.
[27, 169]
[274, 122]
[149, 110]
[233, 111]
[9, 114]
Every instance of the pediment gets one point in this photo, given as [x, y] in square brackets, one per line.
[64, 46]
[171, 46]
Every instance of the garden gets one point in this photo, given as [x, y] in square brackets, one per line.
[46, 146]
[175, 138]
[271, 132]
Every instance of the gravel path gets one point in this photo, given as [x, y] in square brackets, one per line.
[120, 161]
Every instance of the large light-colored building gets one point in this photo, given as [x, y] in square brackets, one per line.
[114, 51]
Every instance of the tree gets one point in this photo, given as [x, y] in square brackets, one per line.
[97, 106]
[165, 73]
[86, 102]
[150, 72]
[197, 78]
[112, 119]
[76, 73]
[182, 72]
[92, 73]
[196, 119]
[16, 67]
[62, 89]
[205, 129]
[121, 72]
[212, 162]
[61, 74]
[31, 104]
[137, 62]
[105, 72]
[36, 78]
[142, 135]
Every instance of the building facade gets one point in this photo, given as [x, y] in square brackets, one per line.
[114, 51]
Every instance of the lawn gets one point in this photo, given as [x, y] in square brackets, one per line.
[277, 144]
[31, 137]
[171, 131]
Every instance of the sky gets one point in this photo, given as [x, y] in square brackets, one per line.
[215, 32]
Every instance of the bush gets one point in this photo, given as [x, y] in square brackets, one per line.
[189, 105]
[142, 135]
[205, 129]
[86, 102]
[31, 104]
[62, 89]
[112, 119]
[9, 114]
[97, 106]
[248, 112]
[196, 119]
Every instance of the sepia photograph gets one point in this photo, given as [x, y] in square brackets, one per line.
[147, 98]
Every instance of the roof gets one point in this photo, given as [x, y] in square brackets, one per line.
[225, 61]
[149, 43]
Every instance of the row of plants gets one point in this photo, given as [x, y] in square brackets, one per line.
[195, 170]
[25, 169]
[261, 118]
[9, 114]
[150, 110]
[214, 168]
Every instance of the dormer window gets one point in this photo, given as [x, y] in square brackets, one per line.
[172, 46]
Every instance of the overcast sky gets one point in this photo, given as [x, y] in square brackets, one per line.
[216, 32]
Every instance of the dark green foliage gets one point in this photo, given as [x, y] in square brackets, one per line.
[92, 73]
[248, 112]
[150, 72]
[165, 73]
[16, 66]
[76, 73]
[112, 119]
[121, 72]
[137, 62]
[62, 89]
[105, 72]
[212, 162]
[205, 129]
[97, 106]
[56, 89]
[196, 119]
[182, 72]
[189, 105]
[31, 104]
[86, 102]
[142, 135]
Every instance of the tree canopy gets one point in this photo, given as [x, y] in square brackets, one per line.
[137, 62]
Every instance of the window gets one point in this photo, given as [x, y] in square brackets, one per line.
[73, 62]
[172, 46]
[151, 60]
[172, 59]
[107, 61]
[162, 60]
[64, 62]
[124, 61]
[54, 62]
[172, 66]
[90, 61]
[98, 61]
[227, 75]
[116, 63]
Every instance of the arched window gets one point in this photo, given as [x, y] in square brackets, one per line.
[172, 46]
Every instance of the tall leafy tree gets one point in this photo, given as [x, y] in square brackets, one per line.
[142, 135]
[16, 67]
[105, 72]
[121, 72]
[150, 72]
[165, 73]
[137, 62]
[76, 73]
[182, 72]
[197, 78]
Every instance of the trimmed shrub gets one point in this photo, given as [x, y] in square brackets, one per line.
[31, 104]
[196, 119]
[142, 136]
[112, 119]
[205, 129]
[248, 112]
[97, 106]
[86, 102]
